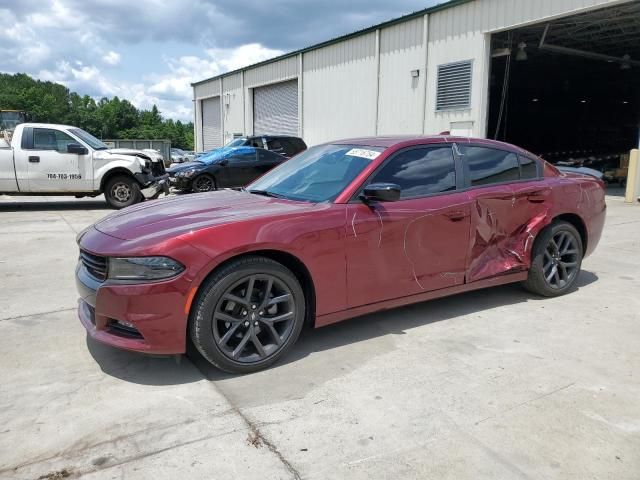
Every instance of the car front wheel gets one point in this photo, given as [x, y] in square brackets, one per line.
[247, 315]
[203, 183]
[556, 260]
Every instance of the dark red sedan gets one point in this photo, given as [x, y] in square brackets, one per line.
[343, 229]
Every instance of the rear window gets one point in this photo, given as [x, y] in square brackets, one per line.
[528, 168]
[488, 166]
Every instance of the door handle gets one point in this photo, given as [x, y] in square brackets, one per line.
[34, 159]
[457, 215]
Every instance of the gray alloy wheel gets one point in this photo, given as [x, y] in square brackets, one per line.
[556, 260]
[253, 318]
[122, 191]
[561, 260]
[247, 315]
[203, 183]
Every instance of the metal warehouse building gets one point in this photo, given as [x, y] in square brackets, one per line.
[550, 75]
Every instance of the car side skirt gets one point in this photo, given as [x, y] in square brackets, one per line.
[330, 318]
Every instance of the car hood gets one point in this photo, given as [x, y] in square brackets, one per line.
[174, 216]
[128, 152]
[181, 167]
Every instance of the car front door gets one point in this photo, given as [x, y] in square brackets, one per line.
[239, 169]
[416, 244]
[50, 167]
[507, 210]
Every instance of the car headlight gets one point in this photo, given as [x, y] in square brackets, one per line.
[189, 173]
[143, 268]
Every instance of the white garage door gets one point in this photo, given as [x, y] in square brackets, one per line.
[211, 129]
[275, 109]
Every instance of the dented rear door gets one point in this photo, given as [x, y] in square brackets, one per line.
[506, 213]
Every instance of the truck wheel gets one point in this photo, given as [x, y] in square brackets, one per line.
[122, 191]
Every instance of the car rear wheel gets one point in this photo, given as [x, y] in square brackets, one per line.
[247, 315]
[556, 260]
[203, 183]
[122, 191]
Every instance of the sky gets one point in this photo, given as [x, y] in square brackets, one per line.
[150, 51]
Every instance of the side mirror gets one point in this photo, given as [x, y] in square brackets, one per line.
[381, 192]
[77, 149]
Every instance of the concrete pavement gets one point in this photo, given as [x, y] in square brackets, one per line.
[491, 384]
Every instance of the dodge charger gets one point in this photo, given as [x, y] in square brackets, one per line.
[341, 230]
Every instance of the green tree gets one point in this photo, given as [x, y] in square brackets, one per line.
[107, 118]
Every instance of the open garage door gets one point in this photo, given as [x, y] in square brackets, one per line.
[275, 109]
[211, 128]
[569, 89]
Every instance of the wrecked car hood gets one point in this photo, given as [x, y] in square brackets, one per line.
[150, 155]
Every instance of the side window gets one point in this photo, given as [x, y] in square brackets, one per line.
[269, 157]
[528, 168]
[243, 158]
[420, 171]
[486, 166]
[274, 145]
[256, 142]
[47, 139]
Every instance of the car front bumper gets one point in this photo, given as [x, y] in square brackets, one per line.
[148, 318]
[152, 186]
[180, 183]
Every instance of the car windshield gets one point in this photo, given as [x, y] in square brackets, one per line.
[319, 174]
[92, 141]
[237, 142]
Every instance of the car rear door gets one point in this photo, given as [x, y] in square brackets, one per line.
[502, 221]
[416, 244]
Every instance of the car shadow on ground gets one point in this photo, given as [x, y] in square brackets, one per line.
[143, 369]
[397, 321]
[308, 353]
[65, 205]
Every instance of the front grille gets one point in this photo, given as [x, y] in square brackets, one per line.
[94, 264]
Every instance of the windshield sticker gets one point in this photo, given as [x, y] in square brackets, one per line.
[363, 153]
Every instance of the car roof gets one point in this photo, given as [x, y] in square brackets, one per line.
[273, 136]
[409, 140]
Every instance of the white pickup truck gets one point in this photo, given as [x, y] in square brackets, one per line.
[46, 159]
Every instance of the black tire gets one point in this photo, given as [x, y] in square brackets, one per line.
[221, 310]
[556, 260]
[122, 191]
[203, 183]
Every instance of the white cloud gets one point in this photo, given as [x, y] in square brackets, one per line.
[171, 92]
[111, 58]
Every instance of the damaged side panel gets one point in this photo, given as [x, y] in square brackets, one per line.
[505, 221]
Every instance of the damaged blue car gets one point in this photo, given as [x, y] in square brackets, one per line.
[234, 165]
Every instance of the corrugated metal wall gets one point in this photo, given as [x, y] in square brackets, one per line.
[232, 105]
[332, 106]
[277, 71]
[207, 89]
[401, 96]
[363, 85]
